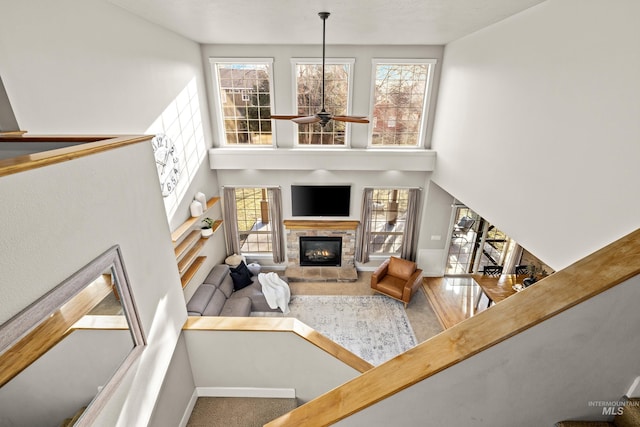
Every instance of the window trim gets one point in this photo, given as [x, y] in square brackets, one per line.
[294, 91]
[217, 95]
[424, 122]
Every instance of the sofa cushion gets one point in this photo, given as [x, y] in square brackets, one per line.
[215, 304]
[401, 268]
[217, 275]
[227, 285]
[236, 307]
[254, 291]
[200, 299]
[241, 276]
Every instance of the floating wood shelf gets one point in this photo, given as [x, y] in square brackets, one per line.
[192, 270]
[185, 226]
[187, 243]
[188, 259]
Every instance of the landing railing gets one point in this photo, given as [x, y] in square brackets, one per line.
[278, 324]
[575, 284]
[72, 147]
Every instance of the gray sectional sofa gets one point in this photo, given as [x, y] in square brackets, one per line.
[216, 296]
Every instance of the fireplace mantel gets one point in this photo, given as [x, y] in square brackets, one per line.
[314, 224]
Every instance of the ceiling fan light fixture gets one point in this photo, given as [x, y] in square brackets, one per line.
[323, 117]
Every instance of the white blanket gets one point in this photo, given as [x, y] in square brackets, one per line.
[275, 290]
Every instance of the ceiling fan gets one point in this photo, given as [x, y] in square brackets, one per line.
[323, 117]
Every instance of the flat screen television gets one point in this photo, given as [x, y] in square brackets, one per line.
[320, 200]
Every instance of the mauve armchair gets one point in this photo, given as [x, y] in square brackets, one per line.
[397, 278]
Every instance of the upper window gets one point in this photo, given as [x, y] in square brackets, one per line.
[401, 90]
[308, 90]
[244, 100]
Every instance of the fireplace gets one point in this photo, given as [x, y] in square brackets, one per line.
[320, 251]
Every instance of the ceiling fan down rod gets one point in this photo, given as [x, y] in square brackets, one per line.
[323, 16]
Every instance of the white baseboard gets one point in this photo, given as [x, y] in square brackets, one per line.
[189, 409]
[282, 393]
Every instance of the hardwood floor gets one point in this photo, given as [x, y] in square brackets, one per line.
[453, 299]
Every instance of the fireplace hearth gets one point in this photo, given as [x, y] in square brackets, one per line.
[320, 251]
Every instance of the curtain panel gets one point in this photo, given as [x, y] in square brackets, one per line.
[410, 237]
[275, 212]
[230, 220]
[363, 239]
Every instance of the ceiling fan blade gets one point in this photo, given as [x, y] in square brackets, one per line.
[285, 117]
[351, 119]
[307, 119]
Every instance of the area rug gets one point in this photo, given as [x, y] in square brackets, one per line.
[376, 328]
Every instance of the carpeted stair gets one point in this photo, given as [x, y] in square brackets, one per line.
[630, 417]
[238, 411]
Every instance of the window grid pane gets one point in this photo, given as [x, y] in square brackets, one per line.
[399, 95]
[254, 227]
[245, 102]
[309, 99]
[387, 221]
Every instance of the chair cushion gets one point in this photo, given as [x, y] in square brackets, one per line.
[241, 276]
[236, 307]
[401, 268]
[198, 302]
[391, 286]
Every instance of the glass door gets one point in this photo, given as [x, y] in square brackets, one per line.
[464, 236]
[474, 243]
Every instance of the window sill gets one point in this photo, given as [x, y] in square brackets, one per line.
[308, 158]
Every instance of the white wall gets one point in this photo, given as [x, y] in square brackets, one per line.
[434, 231]
[177, 390]
[283, 84]
[264, 360]
[537, 125]
[58, 218]
[91, 67]
[546, 374]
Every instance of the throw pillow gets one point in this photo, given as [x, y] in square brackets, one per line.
[401, 268]
[234, 260]
[241, 276]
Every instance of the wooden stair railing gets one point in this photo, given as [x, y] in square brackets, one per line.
[85, 146]
[582, 280]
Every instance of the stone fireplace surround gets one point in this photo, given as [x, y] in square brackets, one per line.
[326, 228]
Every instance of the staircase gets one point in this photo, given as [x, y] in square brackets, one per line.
[625, 416]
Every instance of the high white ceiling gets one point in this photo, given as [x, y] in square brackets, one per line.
[351, 21]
